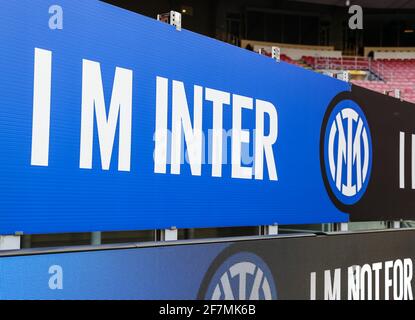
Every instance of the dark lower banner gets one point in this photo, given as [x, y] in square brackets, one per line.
[370, 265]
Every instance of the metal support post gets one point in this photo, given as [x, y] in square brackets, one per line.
[276, 53]
[173, 18]
[393, 224]
[344, 76]
[96, 238]
[397, 93]
[268, 230]
[10, 242]
[167, 234]
[341, 227]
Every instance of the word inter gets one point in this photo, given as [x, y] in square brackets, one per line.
[119, 115]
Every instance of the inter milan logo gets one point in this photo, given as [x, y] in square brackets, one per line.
[243, 276]
[347, 152]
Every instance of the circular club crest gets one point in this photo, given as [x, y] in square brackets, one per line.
[242, 276]
[347, 152]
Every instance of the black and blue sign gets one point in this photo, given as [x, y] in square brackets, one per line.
[114, 121]
[119, 122]
[351, 266]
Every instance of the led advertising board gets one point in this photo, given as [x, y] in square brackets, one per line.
[110, 120]
[351, 266]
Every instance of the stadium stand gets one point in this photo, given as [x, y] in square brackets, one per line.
[391, 68]
[393, 74]
[342, 63]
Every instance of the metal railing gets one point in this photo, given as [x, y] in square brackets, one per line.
[342, 63]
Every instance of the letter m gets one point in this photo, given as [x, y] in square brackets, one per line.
[120, 108]
[332, 290]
